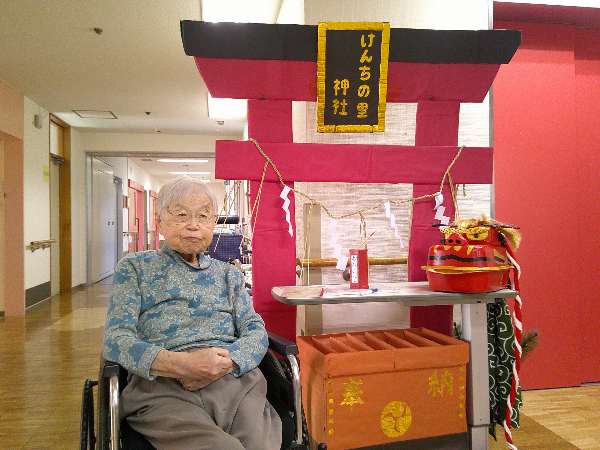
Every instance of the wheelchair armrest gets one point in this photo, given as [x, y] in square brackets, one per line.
[110, 368]
[282, 345]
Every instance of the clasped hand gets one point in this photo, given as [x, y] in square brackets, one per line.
[205, 365]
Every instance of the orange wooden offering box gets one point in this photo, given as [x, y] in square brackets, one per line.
[378, 387]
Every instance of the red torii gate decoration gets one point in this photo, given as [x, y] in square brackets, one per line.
[272, 65]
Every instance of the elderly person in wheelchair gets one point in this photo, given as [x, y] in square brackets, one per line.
[183, 326]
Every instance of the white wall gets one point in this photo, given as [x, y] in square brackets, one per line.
[150, 142]
[291, 11]
[140, 176]
[36, 196]
[434, 14]
[119, 165]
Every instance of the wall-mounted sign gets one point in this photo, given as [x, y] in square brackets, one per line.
[352, 68]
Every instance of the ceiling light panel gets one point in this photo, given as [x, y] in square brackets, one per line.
[174, 160]
[189, 173]
[94, 114]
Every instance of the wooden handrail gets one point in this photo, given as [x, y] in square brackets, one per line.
[332, 262]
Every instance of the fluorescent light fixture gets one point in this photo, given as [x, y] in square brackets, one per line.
[204, 180]
[227, 108]
[94, 114]
[173, 160]
[255, 11]
[189, 173]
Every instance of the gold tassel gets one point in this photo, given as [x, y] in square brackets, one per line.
[511, 233]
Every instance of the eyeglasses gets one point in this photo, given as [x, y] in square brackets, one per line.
[181, 217]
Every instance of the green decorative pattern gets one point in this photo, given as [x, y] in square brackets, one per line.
[501, 339]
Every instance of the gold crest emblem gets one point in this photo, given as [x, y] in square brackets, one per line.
[396, 419]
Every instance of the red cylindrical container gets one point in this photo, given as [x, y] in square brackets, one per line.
[468, 282]
[359, 268]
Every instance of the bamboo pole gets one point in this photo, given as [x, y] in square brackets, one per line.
[373, 261]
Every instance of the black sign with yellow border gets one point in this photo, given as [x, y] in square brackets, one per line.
[352, 69]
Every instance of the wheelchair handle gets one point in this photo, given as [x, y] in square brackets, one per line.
[109, 369]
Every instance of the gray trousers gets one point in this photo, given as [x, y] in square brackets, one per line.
[228, 414]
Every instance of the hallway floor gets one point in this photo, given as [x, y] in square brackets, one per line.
[45, 357]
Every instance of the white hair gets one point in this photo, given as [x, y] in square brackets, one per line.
[180, 187]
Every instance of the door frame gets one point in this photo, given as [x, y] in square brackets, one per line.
[151, 221]
[64, 207]
[119, 207]
[139, 204]
[14, 291]
[130, 206]
[55, 233]
[89, 195]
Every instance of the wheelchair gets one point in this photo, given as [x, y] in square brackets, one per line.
[279, 366]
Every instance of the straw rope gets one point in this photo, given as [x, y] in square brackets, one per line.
[446, 177]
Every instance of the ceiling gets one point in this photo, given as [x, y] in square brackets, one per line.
[160, 170]
[49, 52]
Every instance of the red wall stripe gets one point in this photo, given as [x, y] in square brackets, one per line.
[587, 240]
[543, 115]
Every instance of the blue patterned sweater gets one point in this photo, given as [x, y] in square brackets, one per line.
[160, 301]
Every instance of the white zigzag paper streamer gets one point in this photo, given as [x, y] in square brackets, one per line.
[286, 208]
[393, 224]
[439, 199]
[342, 258]
[440, 209]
